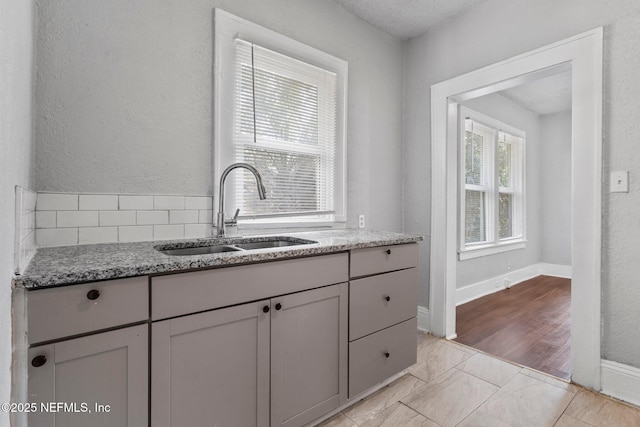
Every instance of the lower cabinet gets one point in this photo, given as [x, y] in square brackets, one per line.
[281, 361]
[97, 380]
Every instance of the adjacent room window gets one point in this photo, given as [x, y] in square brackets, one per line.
[286, 108]
[492, 186]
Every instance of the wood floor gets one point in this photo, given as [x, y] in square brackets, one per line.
[529, 324]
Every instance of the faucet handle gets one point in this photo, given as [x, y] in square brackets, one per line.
[235, 217]
[233, 221]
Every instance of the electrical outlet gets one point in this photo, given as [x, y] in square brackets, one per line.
[361, 221]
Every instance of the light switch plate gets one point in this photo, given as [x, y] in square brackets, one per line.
[619, 182]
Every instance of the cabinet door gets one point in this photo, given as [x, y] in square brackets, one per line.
[110, 368]
[212, 368]
[308, 354]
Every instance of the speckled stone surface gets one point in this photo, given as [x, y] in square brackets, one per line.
[69, 265]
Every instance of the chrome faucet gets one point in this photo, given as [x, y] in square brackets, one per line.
[222, 223]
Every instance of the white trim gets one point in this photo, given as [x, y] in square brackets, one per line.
[556, 270]
[477, 290]
[583, 54]
[470, 252]
[621, 381]
[424, 319]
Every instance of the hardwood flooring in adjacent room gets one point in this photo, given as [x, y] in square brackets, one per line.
[529, 324]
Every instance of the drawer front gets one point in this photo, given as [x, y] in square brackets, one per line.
[65, 311]
[368, 361]
[184, 293]
[381, 259]
[378, 302]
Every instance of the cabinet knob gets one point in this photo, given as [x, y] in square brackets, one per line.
[38, 361]
[388, 251]
[387, 354]
[278, 306]
[93, 294]
[387, 298]
[265, 309]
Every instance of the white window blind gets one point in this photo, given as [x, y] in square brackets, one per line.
[285, 125]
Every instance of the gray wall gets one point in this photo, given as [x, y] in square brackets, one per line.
[555, 186]
[467, 43]
[124, 95]
[16, 154]
[479, 269]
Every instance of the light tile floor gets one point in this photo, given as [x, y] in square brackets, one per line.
[454, 385]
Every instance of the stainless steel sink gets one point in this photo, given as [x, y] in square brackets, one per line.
[215, 246]
[270, 244]
[200, 250]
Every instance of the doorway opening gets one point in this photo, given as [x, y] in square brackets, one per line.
[583, 55]
[513, 272]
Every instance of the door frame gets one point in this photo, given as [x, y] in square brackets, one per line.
[583, 53]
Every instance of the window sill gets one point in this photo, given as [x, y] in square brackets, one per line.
[485, 250]
[254, 228]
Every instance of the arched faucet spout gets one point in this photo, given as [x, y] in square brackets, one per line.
[262, 193]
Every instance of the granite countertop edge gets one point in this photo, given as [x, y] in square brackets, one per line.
[69, 265]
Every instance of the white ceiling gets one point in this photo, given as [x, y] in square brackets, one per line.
[407, 18]
[547, 95]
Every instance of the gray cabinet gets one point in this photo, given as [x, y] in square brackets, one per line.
[382, 311]
[281, 361]
[101, 379]
[308, 354]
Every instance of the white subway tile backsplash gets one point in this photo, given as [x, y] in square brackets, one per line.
[168, 231]
[97, 235]
[110, 218]
[57, 202]
[183, 217]
[67, 219]
[205, 217]
[56, 236]
[136, 233]
[198, 202]
[168, 202]
[77, 219]
[46, 219]
[197, 230]
[135, 203]
[152, 217]
[98, 202]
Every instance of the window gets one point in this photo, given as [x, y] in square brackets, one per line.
[281, 109]
[492, 186]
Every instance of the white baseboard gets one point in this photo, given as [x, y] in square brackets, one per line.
[555, 270]
[621, 381]
[512, 278]
[424, 319]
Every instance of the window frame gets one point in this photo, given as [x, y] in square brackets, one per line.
[492, 244]
[228, 28]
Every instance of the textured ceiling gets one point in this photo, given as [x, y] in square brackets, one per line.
[407, 18]
[543, 96]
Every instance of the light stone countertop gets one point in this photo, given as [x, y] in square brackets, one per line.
[67, 265]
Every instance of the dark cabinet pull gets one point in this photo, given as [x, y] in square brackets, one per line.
[387, 354]
[93, 294]
[388, 251]
[278, 306]
[265, 309]
[38, 361]
[387, 298]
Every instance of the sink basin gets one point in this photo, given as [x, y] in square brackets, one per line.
[271, 244]
[205, 247]
[200, 250]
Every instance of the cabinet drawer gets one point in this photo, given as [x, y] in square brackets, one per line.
[368, 361]
[184, 293]
[62, 312]
[368, 261]
[378, 302]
